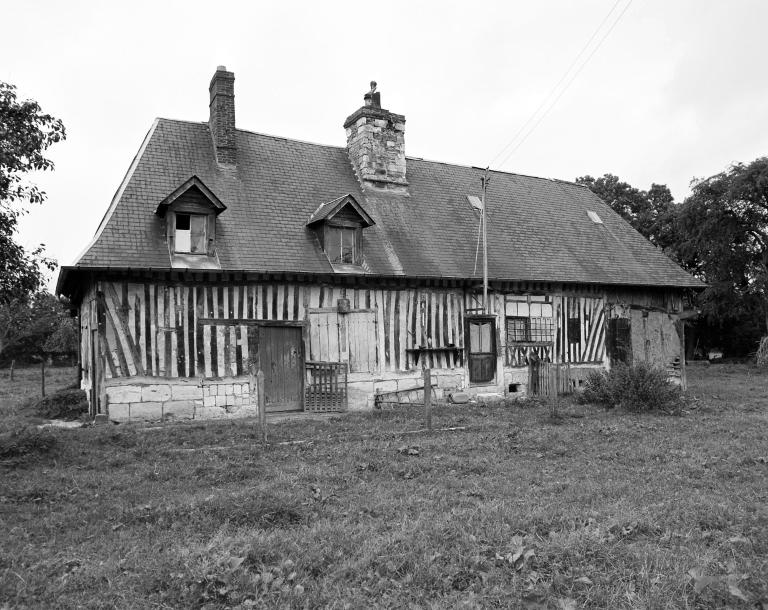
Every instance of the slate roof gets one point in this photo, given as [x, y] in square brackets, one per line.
[538, 229]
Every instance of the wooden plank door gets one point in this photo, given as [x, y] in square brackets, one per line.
[481, 342]
[282, 361]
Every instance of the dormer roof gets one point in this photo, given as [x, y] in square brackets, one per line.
[192, 183]
[326, 211]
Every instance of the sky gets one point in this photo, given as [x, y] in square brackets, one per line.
[653, 91]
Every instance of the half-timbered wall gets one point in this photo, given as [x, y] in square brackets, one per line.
[206, 335]
[166, 330]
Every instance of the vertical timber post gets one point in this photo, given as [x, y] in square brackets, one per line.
[428, 396]
[262, 406]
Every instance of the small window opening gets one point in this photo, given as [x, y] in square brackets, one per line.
[190, 233]
[514, 388]
[341, 245]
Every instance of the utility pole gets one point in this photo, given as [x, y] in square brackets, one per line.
[484, 182]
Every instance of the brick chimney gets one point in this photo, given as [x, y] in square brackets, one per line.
[222, 118]
[376, 143]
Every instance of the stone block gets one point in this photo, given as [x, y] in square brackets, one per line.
[386, 386]
[209, 401]
[123, 394]
[237, 389]
[146, 411]
[210, 413]
[246, 389]
[185, 392]
[229, 400]
[179, 409]
[119, 412]
[228, 389]
[238, 401]
[221, 400]
[155, 393]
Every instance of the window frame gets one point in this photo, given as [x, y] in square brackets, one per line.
[204, 242]
[349, 228]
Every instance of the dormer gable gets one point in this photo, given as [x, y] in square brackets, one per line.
[339, 227]
[190, 213]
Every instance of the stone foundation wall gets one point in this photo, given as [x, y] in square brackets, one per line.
[154, 400]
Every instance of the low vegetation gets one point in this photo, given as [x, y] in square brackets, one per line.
[639, 387]
[509, 508]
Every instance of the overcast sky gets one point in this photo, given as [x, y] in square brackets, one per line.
[675, 90]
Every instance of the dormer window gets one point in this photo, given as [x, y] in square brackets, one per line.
[190, 214]
[339, 226]
[341, 244]
[191, 234]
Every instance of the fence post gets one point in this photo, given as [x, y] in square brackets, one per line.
[262, 406]
[428, 396]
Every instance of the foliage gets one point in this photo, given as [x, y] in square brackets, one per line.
[37, 327]
[724, 239]
[69, 403]
[637, 387]
[25, 134]
[651, 212]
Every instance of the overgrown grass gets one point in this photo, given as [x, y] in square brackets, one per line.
[605, 509]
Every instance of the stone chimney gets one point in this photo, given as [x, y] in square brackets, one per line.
[222, 118]
[376, 143]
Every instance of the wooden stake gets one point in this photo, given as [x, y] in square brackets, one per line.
[428, 396]
[42, 377]
[262, 406]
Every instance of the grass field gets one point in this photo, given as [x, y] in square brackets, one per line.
[598, 509]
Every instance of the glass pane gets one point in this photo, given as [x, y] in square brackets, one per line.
[197, 238]
[474, 337]
[512, 309]
[535, 310]
[333, 247]
[182, 241]
[485, 337]
[522, 309]
[546, 310]
[182, 222]
[348, 246]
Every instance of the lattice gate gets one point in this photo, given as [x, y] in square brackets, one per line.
[549, 379]
[326, 389]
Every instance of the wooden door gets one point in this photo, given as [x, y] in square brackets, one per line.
[481, 342]
[282, 360]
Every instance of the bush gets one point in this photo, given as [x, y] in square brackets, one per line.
[25, 441]
[69, 403]
[639, 387]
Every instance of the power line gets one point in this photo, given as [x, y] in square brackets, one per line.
[567, 85]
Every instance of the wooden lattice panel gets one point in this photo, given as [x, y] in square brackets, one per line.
[327, 387]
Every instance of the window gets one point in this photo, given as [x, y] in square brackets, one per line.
[529, 322]
[341, 245]
[574, 330]
[190, 235]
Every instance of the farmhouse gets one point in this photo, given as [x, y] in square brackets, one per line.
[341, 271]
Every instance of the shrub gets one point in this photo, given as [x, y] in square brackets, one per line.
[639, 387]
[69, 403]
[596, 390]
[24, 441]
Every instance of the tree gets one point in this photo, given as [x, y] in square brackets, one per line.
[36, 329]
[651, 212]
[26, 132]
[724, 239]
